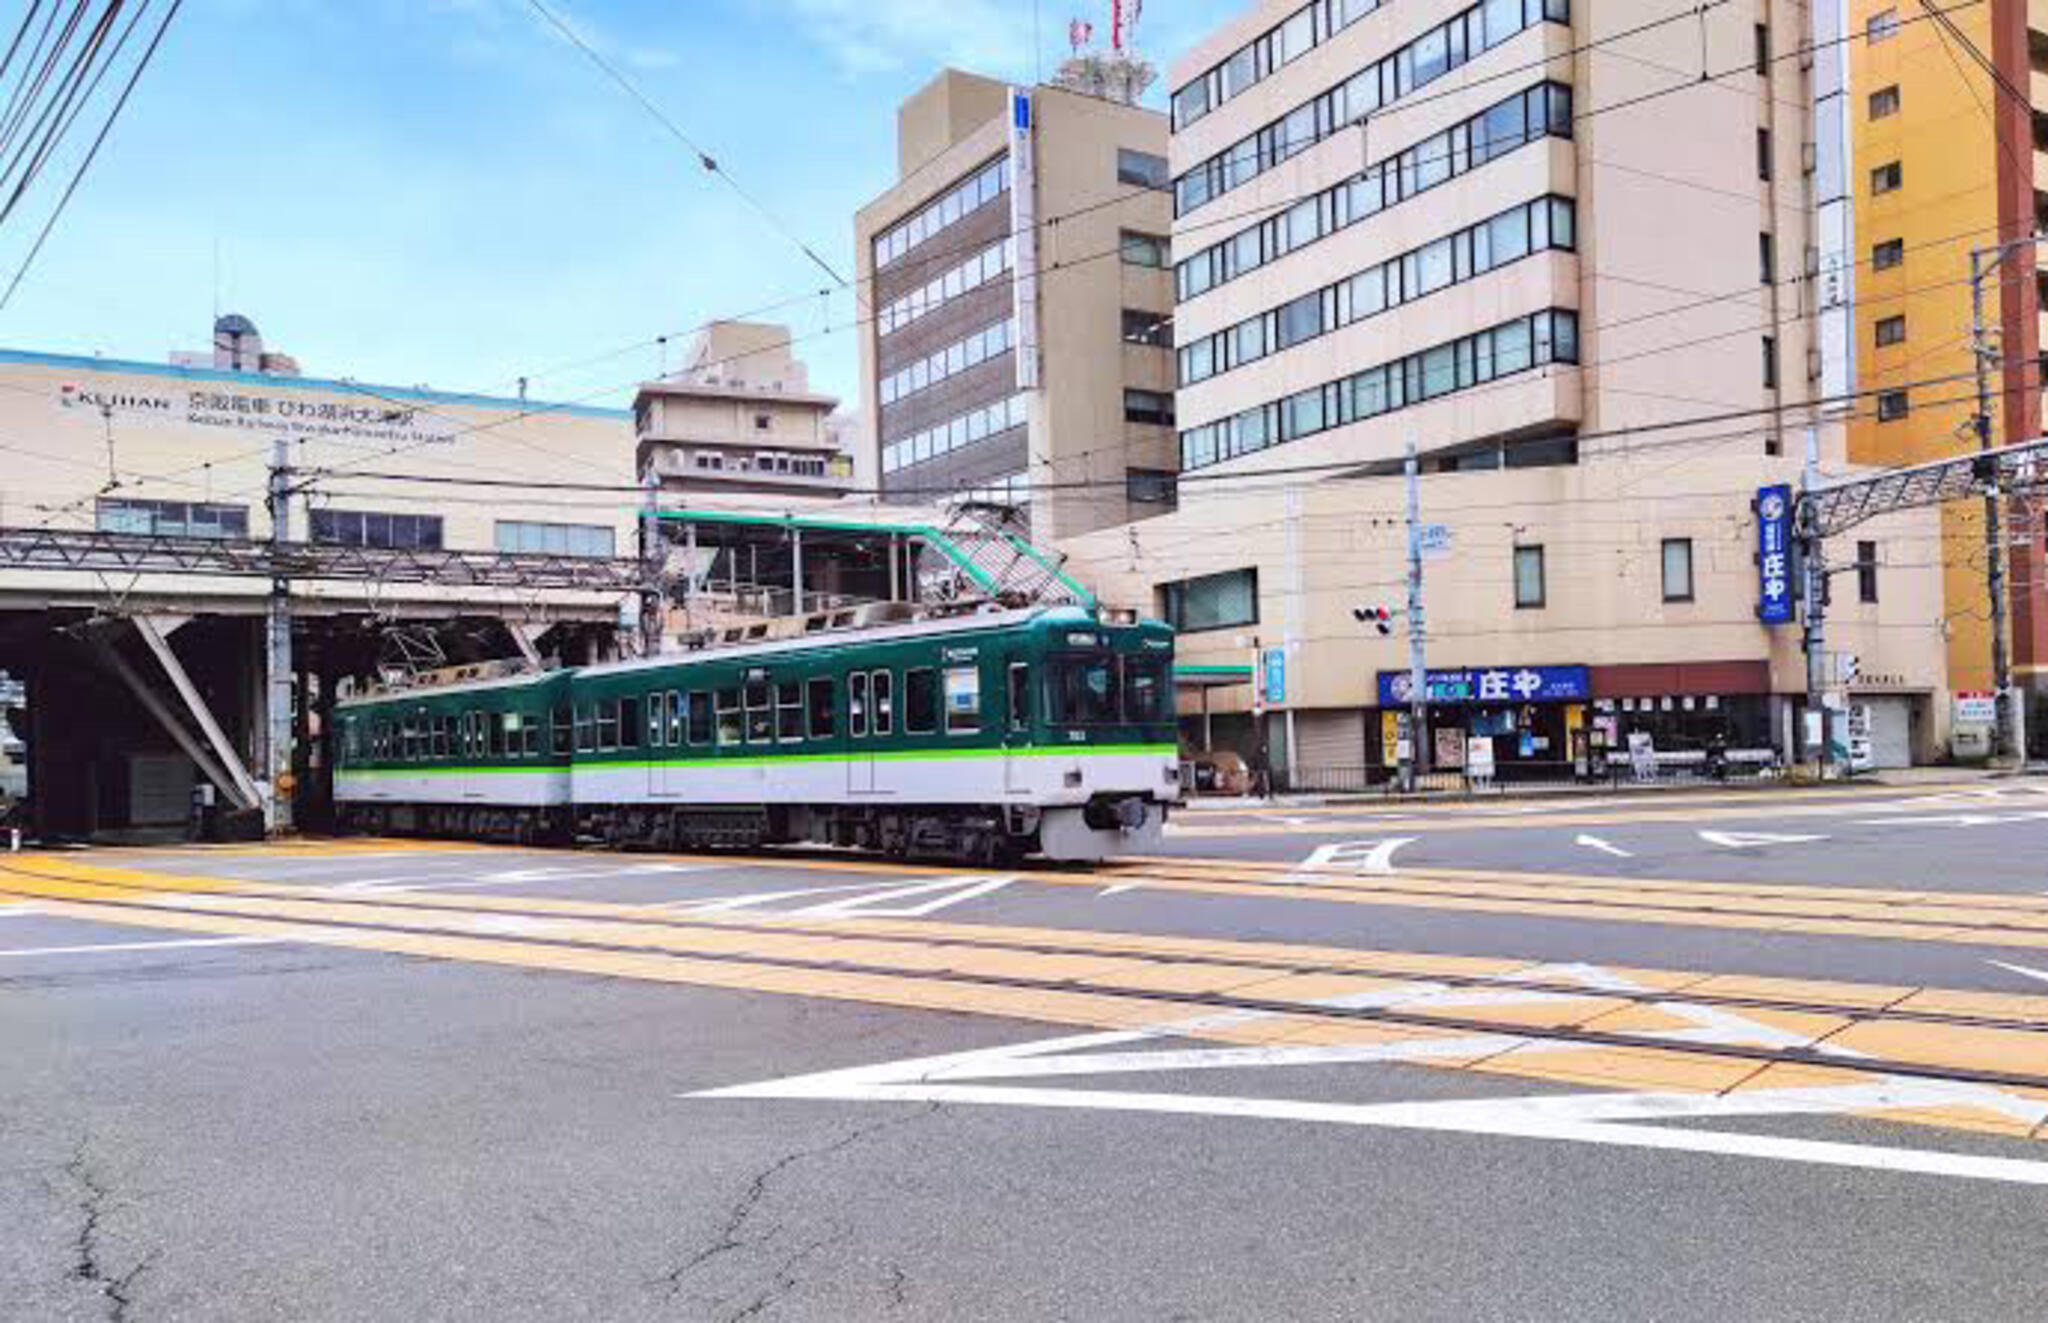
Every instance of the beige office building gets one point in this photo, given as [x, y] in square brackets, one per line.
[1016, 330]
[1526, 238]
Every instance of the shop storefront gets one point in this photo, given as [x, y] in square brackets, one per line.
[1533, 718]
[1675, 714]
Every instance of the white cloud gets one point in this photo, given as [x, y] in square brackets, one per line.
[870, 36]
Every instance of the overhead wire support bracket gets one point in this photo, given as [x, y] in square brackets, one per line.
[1839, 504]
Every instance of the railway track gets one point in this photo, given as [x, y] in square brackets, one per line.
[1125, 980]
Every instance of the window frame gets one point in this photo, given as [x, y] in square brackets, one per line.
[1691, 587]
[1535, 555]
[882, 695]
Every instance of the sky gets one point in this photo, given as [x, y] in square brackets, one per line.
[447, 193]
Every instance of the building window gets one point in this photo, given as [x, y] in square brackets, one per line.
[596, 540]
[1767, 259]
[1148, 328]
[1891, 331]
[1151, 486]
[1886, 255]
[1892, 405]
[1140, 249]
[1528, 578]
[1763, 48]
[1678, 569]
[1770, 362]
[1763, 153]
[762, 422]
[172, 518]
[1142, 169]
[363, 528]
[1882, 26]
[1213, 601]
[1866, 571]
[1148, 406]
[1884, 101]
[1887, 178]
[963, 199]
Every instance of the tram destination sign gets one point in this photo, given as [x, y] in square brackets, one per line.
[1492, 684]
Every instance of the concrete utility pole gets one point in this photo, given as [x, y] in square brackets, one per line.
[277, 752]
[1813, 563]
[2005, 738]
[1418, 665]
[653, 599]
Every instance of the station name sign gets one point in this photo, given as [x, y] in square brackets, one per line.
[1499, 684]
[291, 415]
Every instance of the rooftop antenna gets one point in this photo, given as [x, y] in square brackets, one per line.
[1123, 25]
[1079, 33]
[1119, 74]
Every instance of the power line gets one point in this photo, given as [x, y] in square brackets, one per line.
[704, 158]
[92, 154]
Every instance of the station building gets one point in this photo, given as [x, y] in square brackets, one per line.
[1472, 229]
[139, 687]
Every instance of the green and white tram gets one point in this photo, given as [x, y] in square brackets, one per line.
[1045, 731]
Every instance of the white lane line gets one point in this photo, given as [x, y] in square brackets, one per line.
[2023, 970]
[99, 947]
[18, 911]
[1521, 1118]
[1743, 840]
[1117, 889]
[1604, 847]
[718, 905]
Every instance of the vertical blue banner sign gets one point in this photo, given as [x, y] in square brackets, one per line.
[1774, 554]
[1276, 675]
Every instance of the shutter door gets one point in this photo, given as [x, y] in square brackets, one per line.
[1332, 743]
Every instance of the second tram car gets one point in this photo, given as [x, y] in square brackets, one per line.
[1047, 731]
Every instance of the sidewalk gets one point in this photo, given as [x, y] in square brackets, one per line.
[1901, 778]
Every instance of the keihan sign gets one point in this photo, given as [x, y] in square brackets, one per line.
[291, 414]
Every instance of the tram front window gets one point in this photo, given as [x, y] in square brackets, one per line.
[1084, 690]
[1148, 694]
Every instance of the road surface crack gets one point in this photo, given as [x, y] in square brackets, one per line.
[733, 1232]
[89, 1252]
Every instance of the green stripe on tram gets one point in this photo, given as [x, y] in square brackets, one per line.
[766, 760]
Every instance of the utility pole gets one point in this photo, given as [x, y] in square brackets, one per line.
[1418, 666]
[1813, 563]
[277, 752]
[2004, 741]
[653, 600]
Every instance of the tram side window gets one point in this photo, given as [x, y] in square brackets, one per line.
[760, 712]
[608, 724]
[629, 722]
[823, 699]
[675, 719]
[884, 685]
[563, 728]
[731, 722]
[1147, 696]
[497, 729]
[657, 720]
[920, 700]
[586, 728]
[963, 700]
[440, 737]
[529, 734]
[700, 716]
[789, 711]
[857, 703]
[1020, 696]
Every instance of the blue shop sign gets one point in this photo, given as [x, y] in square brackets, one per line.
[1498, 684]
[1774, 554]
[1275, 664]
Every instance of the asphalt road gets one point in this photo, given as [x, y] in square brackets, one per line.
[390, 1079]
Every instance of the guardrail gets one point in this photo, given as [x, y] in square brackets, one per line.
[1680, 768]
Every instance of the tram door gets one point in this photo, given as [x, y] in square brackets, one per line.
[860, 749]
[1017, 730]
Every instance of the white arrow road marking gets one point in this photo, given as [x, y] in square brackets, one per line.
[1595, 843]
[1587, 1118]
[1120, 887]
[1743, 840]
[1375, 856]
[945, 892]
[2023, 970]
